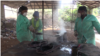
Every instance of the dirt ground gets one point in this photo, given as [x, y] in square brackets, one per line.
[8, 43]
[48, 35]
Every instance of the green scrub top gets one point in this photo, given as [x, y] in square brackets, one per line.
[23, 33]
[85, 29]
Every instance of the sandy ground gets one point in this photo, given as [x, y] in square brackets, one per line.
[49, 35]
[8, 43]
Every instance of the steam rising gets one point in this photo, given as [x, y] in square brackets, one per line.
[62, 27]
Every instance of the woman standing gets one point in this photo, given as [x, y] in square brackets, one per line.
[22, 27]
[37, 26]
[84, 26]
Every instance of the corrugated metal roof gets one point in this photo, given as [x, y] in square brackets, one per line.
[91, 4]
[47, 4]
[32, 4]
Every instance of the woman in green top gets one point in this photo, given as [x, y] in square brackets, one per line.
[22, 26]
[84, 26]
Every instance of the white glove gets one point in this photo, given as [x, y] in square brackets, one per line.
[31, 28]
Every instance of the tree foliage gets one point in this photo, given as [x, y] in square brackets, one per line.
[68, 14]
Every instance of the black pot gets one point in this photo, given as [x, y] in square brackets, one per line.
[74, 51]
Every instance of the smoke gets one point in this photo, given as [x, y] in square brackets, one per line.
[59, 23]
[61, 32]
[62, 27]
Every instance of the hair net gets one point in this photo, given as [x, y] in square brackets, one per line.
[82, 8]
[22, 8]
[36, 13]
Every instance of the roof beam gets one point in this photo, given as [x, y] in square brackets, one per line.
[49, 2]
[31, 5]
[89, 3]
[47, 5]
[38, 5]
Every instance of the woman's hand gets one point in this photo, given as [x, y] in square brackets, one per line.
[31, 28]
[75, 33]
[33, 31]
